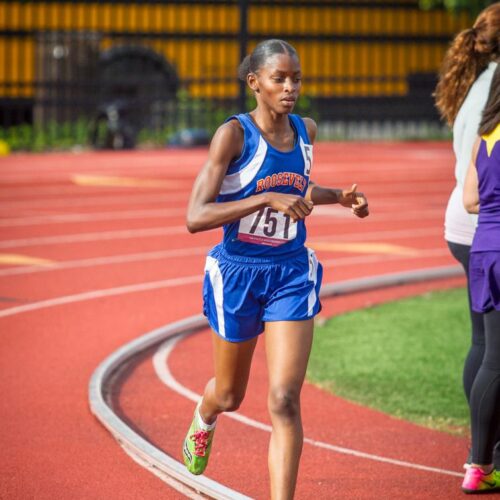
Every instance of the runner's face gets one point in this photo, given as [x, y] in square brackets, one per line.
[278, 83]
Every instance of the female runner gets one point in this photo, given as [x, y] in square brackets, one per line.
[261, 278]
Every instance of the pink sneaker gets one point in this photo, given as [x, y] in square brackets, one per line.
[476, 481]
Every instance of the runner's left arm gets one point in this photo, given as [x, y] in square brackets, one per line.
[320, 195]
[349, 198]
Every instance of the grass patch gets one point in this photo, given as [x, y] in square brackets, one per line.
[404, 358]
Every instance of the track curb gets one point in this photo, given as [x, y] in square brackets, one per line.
[158, 462]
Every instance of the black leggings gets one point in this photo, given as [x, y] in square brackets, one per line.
[485, 394]
[476, 351]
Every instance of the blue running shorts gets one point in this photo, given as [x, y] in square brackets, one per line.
[241, 293]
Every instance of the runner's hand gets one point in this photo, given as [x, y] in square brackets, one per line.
[356, 201]
[295, 206]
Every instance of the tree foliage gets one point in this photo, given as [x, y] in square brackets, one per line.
[456, 6]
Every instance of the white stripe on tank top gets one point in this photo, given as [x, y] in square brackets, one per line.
[232, 183]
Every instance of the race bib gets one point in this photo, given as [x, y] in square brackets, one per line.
[267, 227]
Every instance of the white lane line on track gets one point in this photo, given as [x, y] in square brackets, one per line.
[181, 281]
[159, 161]
[158, 171]
[385, 186]
[160, 363]
[386, 157]
[99, 236]
[162, 231]
[105, 261]
[99, 294]
[378, 235]
[167, 254]
[143, 179]
[369, 259]
[173, 253]
[94, 177]
[376, 156]
[318, 216]
[78, 200]
[61, 197]
[88, 217]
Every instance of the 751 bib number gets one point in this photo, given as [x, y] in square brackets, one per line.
[267, 227]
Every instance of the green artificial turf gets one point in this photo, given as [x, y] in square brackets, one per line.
[404, 358]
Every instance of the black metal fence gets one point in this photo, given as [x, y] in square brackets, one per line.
[115, 73]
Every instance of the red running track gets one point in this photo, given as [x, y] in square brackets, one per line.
[94, 253]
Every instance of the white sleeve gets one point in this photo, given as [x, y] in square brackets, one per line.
[474, 102]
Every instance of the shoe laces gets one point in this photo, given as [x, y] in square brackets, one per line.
[200, 438]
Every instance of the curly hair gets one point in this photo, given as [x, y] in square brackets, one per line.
[468, 56]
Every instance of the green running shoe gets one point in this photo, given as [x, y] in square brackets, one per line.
[476, 481]
[197, 446]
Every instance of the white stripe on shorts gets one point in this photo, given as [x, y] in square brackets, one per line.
[313, 276]
[212, 266]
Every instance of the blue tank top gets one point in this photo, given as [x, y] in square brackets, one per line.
[487, 236]
[261, 168]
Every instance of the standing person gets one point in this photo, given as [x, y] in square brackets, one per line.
[461, 94]
[261, 278]
[482, 195]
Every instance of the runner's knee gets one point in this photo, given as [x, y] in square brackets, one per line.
[229, 400]
[284, 403]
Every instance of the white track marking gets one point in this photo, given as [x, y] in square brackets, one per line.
[382, 216]
[374, 247]
[331, 211]
[122, 290]
[99, 236]
[320, 216]
[167, 254]
[99, 294]
[105, 261]
[88, 217]
[160, 362]
[379, 236]
[134, 168]
[82, 199]
[93, 163]
[157, 169]
[162, 231]
[366, 259]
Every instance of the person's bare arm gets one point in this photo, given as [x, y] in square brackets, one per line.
[320, 195]
[205, 213]
[349, 198]
[471, 190]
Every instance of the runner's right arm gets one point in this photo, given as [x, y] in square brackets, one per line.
[205, 213]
